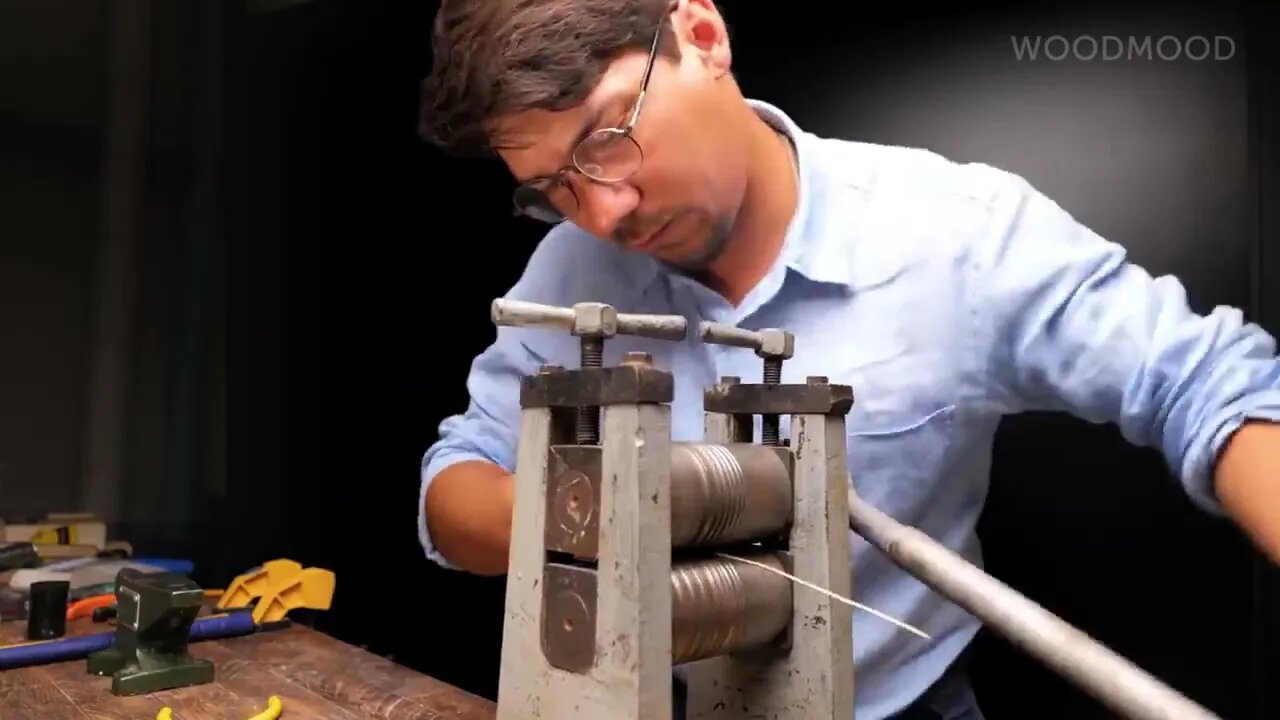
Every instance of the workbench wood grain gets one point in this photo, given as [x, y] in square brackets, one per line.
[315, 676]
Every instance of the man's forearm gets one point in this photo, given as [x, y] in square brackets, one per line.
[468, 509]
[1248, 483]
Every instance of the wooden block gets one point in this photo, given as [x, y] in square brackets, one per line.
[59, 533]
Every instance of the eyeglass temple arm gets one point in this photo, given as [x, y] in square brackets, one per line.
[648, 71]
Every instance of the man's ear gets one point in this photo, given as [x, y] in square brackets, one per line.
[702, 32]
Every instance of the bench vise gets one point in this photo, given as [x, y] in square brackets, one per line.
[154, 616]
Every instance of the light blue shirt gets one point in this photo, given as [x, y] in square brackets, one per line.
[946, 295]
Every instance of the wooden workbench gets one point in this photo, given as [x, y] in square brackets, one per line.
[316, 677]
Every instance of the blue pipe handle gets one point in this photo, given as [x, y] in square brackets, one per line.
[71, 648]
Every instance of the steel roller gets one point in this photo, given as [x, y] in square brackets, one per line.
[718, 606]
[721, 606]
[720, 495]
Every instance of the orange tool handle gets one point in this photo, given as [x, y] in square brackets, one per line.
[86, 606]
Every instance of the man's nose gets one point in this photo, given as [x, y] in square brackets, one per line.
[602, 207]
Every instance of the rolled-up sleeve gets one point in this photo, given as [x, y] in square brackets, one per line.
[1065, 322]
[489, 427]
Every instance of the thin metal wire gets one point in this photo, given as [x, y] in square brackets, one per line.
[835, 596]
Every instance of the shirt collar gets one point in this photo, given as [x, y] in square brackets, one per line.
[812, 248]
[817, 244]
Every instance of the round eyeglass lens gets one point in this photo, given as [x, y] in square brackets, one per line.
[537, 204]
[608, 155]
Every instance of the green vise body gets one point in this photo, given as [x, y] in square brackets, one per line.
[154, 615]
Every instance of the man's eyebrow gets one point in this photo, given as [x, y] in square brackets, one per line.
[589, 124]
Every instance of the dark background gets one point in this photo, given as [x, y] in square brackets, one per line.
[224, 326]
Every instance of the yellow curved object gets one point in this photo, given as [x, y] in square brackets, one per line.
[274, 707]
[311, 588]
[264, 580]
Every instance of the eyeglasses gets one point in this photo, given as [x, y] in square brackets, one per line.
[606, 155]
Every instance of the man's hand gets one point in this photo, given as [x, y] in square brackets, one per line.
[1248, 483]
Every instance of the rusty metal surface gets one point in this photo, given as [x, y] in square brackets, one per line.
[813, 398]
[724, 427]
[594, 387]
[722, 606]
[569, 622]
[573, 500]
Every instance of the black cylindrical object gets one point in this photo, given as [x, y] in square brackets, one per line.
[104, 613]
[18, 555]
[47, 610]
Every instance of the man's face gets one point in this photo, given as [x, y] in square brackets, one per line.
[680, 205]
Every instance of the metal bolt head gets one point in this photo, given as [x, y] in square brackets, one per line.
[595, 319]
[730, 380]
[817, 380]
[776, 343]
[548, 369]
[638, 359]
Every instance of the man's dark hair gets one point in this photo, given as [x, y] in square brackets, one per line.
[493, 58]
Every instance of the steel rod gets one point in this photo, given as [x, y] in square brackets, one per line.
[1098, 670]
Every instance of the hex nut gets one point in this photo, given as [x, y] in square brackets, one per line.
[595, 319]
[776, 344]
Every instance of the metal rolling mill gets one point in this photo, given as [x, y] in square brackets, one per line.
[614, 577]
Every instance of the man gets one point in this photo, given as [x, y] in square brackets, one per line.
[946, 295]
